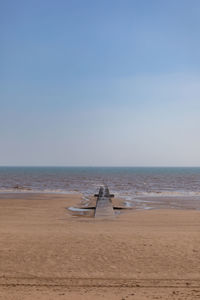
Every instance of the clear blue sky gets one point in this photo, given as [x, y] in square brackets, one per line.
[100, 82]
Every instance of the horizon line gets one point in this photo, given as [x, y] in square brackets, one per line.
[97, 166]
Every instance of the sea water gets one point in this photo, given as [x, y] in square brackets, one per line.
[137, 184]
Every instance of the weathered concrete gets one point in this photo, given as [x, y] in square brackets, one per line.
[104, 207]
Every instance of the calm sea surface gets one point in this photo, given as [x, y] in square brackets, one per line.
[126, 182]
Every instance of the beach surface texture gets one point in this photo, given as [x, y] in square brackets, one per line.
[48, 253]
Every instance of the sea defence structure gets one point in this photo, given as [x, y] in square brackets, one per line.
[104, 207]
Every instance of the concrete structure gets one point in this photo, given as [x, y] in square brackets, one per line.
[104, 207]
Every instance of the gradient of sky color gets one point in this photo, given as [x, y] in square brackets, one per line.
[99, 83]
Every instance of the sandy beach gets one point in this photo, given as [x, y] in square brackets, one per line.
[47, 253]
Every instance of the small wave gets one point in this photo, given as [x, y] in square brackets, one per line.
[29, 190]
[169, 194]
[132, 195]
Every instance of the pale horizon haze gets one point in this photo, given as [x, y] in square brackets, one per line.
[100, 83]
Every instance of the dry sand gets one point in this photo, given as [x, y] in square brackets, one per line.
[46, 253]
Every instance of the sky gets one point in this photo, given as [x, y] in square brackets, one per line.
[99, 83]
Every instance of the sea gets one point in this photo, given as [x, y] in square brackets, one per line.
[142, 187]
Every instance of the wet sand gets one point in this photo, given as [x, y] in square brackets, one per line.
[47, 253]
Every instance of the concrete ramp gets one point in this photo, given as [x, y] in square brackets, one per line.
[104, 208]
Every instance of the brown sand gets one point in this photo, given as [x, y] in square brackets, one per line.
[47, 254]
